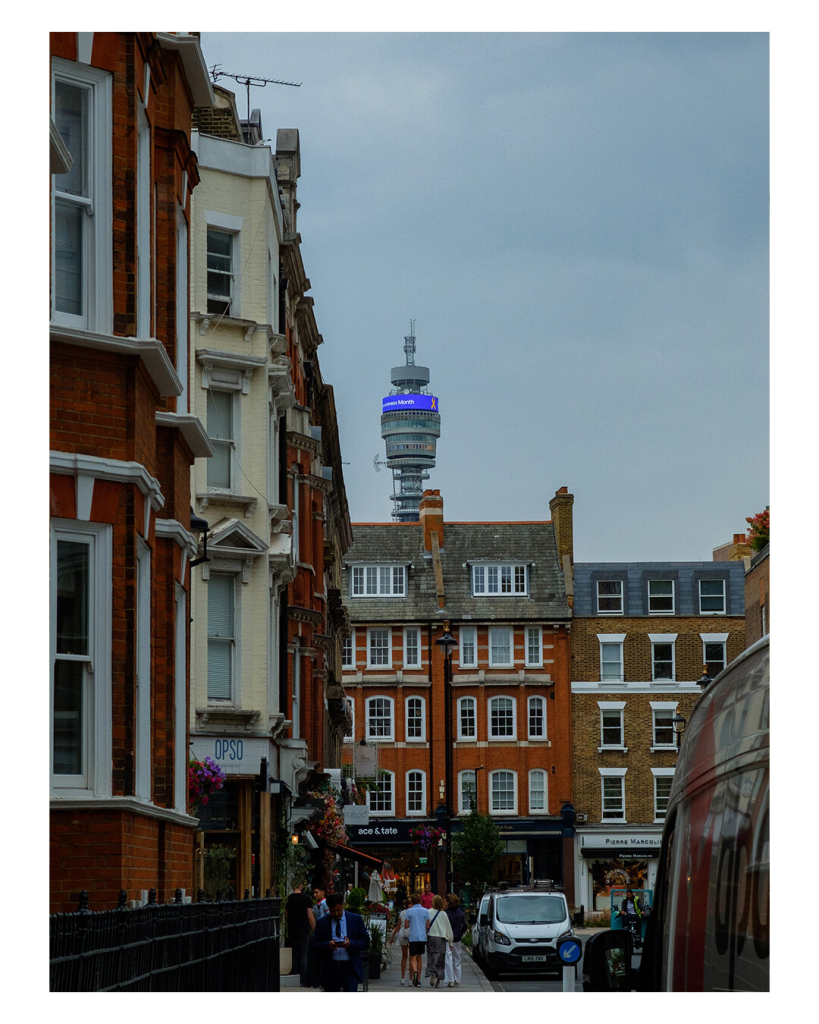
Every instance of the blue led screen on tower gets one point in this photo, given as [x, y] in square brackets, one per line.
[397, 402]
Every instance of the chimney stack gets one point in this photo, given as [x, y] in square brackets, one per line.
[561, 508]
[432, 518]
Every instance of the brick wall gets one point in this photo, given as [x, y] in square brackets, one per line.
[758, 599]
[637, 646]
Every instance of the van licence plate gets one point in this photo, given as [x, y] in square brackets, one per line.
[534, 959]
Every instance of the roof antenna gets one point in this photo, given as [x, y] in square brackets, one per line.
[247, 81]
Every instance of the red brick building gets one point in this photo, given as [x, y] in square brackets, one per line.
[500, 588]
[122, 444]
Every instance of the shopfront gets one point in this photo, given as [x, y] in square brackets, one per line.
[234, 847]
[607, 860]
[534, 850]
[390, 841]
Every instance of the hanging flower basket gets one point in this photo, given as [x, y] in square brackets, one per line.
[426, 835]
[204, 779]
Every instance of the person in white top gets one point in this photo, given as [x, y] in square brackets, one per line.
[400, 936]
[439, 934]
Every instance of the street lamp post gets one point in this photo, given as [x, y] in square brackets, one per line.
[447, 642]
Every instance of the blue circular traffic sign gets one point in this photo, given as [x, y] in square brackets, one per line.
[570, 951]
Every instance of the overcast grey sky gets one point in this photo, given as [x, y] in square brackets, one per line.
[578, 224]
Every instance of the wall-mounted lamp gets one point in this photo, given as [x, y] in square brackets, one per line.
[705, 680]
[294, 839]
[678, 723]
[201, 525]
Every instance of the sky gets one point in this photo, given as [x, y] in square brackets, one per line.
[578, 225]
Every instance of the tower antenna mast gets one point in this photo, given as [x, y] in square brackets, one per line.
[247, 81]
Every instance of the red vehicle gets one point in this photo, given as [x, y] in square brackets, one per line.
[709, 929]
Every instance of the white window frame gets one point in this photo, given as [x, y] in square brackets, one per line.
[417, 631]
[348, 649]
[491, 646]
[295, 521]
[142, 745]
[608, 774]
[423, 737]
[419, 813]
[143, 228]
[182, 308]
[665, 708]
[505, 811]
[529, 702]
[468, 636]
[231, 443]
[715, 638]
[387, 811]
[180, 747]
[712, 579]
[489, 579]
[545, 774]
[380, 664]
[610, 597]
[530, 633]
[371, 581]
[614, 639]
[490, 728]
[460, 704]
[232, 700]
[230, 225]
[611, 707]
[672, 611]
[664, 638]
[387, 737]
[295, 696]
[661, 773]
[462, 782]
[97, 226]
[95, 780]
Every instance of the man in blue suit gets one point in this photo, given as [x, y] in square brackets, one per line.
[340, 939]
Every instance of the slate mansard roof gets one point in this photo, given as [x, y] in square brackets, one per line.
[464, 543]
[636, 574]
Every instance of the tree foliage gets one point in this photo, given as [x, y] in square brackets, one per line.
[475, 850]
[759, 529]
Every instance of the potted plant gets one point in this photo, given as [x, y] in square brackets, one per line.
[378, 951]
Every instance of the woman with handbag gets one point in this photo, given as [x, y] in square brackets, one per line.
[439, 934]
[457, 920]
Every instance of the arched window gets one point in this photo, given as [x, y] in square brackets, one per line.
[503, 792]
[416, 792]
[538, 792]
[502, 718]
[416, 720]
[467, 718]
[537, 718]
[380, 719]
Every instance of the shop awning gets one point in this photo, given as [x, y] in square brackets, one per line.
[359, 855]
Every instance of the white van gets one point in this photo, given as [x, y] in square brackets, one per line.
[519, 928]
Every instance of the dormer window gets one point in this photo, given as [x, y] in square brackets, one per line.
[501, 580]
[378, 581]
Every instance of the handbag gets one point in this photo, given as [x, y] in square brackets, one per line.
[432, 922]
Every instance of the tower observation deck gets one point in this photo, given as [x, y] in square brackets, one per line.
[410, 426]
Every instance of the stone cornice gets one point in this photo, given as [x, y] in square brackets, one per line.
[125, 803]
[74, 464]
[191, 429]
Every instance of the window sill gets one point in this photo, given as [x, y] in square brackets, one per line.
[659, 821]
[244, 501]
[663, 748]
[540, 741]
[614, 750]
[502, 739]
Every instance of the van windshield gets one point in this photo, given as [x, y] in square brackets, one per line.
[530, 909]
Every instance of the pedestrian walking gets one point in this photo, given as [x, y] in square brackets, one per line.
[340, 939]
[439, 933]
[298, 913]
[321, 907]
[418, 918]
[454, 949]
[400, 937]
[426, 896]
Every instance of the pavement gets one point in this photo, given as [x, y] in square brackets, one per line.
[472, 977]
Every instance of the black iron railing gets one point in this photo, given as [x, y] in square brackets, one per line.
[221, 946]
